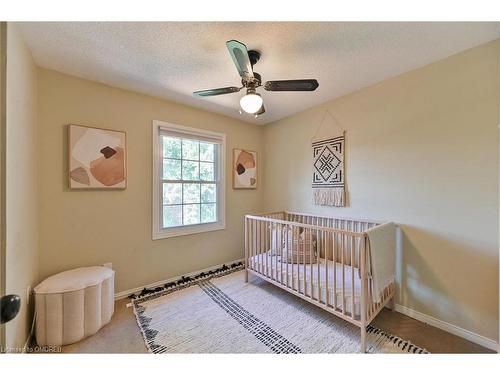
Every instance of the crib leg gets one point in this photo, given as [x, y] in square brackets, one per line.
[246, 275]
[392, 304]
[363, 339]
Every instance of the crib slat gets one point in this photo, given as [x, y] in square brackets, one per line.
[246, 249]
[274, 258]
[318, 239]
[327, 250]
[286, 255]
[259, 244]
[289, 249]
[262, 246]
[255, 245]
[342, 247]
[352, 277]
[264, 255]
[270, 256]
[274, 255]
[252, 259]
[273, 261]
[304, 265]
[334, 257]
[280, 242]
[311, 274]
[358, 246]
[269, 261]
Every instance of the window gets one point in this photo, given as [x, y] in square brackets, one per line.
[188, 186]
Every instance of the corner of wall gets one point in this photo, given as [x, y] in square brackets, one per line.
[22, 246]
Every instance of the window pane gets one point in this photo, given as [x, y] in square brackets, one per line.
[190, 149]
[190, 170]
[207, 171]
[191, 193]
[172, 216]
[191, 214]
[171, 148]
[172, 193]
[207, 151]
[171, 169]
[208, 193]
[208, 213]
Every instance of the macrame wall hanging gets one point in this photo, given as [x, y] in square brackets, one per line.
[328, 180]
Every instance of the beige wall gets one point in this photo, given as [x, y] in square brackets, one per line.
[422, 151]
[21, 185]
[79, 228]
[3, 73]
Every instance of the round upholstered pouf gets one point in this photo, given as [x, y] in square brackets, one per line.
[73, 305]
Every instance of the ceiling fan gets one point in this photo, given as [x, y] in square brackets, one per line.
[250, 80]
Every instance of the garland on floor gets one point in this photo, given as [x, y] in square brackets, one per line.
[185, 281]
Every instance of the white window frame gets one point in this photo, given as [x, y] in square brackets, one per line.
[157, 201]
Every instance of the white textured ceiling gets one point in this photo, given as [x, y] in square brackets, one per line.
[173, 59]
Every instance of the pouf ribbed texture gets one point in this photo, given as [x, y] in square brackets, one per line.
[73, 305]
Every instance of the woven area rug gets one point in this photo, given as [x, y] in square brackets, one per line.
[227, 315]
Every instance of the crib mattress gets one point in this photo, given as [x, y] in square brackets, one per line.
[284, 272]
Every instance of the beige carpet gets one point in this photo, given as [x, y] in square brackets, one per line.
[226, 315]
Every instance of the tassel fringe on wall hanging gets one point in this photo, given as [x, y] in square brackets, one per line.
[328, 180]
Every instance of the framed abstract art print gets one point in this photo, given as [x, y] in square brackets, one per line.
[97, 158]
[244, 169]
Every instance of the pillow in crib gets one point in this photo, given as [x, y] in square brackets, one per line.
[277, 239]
[299, 246]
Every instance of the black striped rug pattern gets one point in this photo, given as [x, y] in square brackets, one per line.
[259, 329]
[264, 333]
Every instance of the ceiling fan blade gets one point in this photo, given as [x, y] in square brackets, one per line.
[220, 91]
[292, 85]
[260, 111]
[239, 54]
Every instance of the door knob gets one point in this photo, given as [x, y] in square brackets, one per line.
[9, 307]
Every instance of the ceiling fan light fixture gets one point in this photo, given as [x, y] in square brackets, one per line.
[251, 102]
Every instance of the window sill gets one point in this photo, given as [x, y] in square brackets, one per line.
[187, 230]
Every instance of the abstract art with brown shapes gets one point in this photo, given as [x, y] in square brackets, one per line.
[244, 169]
[97, 158]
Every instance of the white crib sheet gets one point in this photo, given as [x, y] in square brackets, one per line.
[275, 266]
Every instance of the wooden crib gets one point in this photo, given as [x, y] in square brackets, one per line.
[323, 260]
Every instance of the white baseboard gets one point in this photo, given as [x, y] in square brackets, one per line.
[128, 292]
[448, 327]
